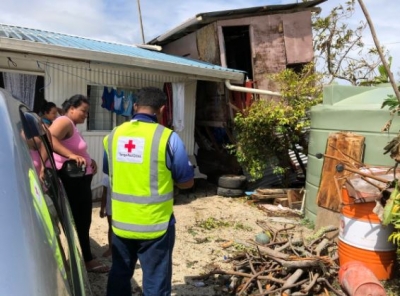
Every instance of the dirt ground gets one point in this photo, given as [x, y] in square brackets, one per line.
[206, 224]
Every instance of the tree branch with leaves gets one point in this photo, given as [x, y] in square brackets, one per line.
[339, 49]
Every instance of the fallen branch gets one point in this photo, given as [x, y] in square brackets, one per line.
[281, 289]
[292, 280]
[261, 277]
[325, 281]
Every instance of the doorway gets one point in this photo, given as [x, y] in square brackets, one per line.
[238, 48]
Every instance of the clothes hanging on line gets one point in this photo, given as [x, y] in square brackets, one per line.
[166, 119]
[107, 99]
[178, 106]
[127, 105]
[118, 97]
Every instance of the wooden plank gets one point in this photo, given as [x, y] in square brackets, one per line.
[345, 146]
[283, 201]
[265, 197]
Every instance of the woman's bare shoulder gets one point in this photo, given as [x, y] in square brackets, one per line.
[62, 126]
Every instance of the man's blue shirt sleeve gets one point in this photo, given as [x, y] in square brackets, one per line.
[179, 164]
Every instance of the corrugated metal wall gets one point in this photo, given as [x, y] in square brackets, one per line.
[67, 79]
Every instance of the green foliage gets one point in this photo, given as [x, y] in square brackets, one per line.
[391, 215]
[266, 130]
[241, 226]
[339, 47]
[308, 223]
[212, 223]
[391, 101]
[383, 76]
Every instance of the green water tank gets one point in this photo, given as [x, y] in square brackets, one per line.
[353, 109]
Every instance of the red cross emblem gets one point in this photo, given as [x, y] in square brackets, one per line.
[130, 146]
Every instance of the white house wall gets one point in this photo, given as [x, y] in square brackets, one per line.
[65, 78]
[63, 81]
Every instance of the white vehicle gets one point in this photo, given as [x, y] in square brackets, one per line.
[39, 250]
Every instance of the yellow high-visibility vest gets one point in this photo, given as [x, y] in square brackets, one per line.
[141, 183]
[42, 210]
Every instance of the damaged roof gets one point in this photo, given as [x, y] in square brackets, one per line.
[203, 19]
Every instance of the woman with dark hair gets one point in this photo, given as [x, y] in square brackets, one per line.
[68, 144]
[49, 113]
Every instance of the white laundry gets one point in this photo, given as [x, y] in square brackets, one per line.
[178, 106]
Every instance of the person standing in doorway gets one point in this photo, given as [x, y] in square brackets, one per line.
[145, 160]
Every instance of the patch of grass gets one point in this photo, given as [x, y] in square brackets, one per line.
[192, 231]
[212, 223]
[307, 223]
[190, 264]
[241, 226]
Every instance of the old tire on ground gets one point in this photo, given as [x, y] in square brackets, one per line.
[229, 192]
[232, 181]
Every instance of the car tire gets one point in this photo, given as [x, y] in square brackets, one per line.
[232, 181]
[229, 192]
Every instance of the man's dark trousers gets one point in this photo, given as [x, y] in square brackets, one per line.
[155, 258]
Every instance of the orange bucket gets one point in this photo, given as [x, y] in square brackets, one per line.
[358, 280]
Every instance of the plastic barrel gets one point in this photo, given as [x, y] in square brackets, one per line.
[358, 280]
[363, 238]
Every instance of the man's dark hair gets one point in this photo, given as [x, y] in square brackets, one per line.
[151, 97]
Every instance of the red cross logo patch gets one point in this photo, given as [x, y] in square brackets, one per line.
[130, 146]
[130, 149]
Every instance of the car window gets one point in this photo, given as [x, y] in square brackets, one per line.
[38, 140]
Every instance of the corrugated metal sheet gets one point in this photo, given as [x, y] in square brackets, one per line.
[64, 79]
[75, 42]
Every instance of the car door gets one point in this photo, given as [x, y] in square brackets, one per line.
[39, 140]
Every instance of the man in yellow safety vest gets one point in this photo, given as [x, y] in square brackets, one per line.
[144, 161]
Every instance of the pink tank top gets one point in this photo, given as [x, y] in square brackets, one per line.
[77, 145]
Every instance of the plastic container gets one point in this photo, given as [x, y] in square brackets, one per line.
[358, 280]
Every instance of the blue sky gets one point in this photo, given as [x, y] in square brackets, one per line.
[118, 21]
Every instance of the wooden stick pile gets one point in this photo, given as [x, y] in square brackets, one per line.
[287, 265]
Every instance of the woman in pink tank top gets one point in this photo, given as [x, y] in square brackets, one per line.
[68, 143]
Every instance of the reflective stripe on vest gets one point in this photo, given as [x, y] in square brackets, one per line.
[158, 200]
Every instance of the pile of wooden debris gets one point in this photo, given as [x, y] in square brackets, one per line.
[287, 264]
